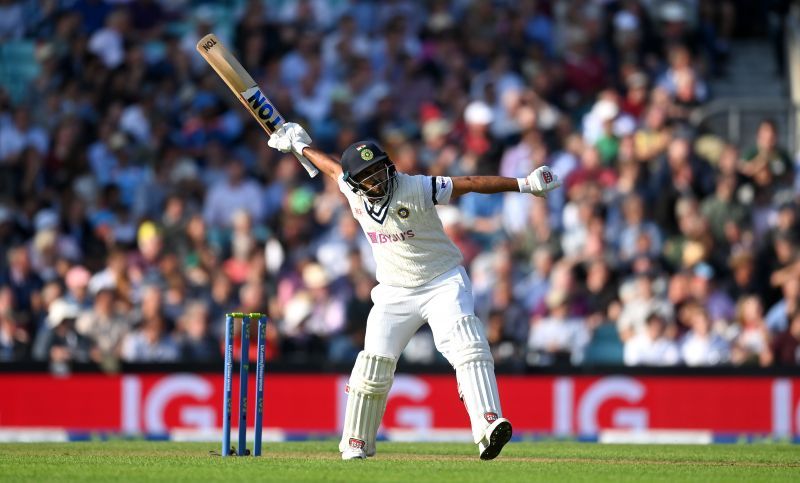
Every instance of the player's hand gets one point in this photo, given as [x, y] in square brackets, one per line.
[290, 137]
[539, 182]
[281, 139]
[298, 137]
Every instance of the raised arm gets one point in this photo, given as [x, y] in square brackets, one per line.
[537, 183]
[292, 138]
[323, 161]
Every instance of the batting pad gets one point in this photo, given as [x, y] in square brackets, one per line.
[369, 386]
[468, 352]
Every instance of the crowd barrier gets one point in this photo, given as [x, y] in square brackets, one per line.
[420, 406]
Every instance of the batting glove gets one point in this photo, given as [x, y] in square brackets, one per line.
[291, 138]
[539, 182]
[299, 137]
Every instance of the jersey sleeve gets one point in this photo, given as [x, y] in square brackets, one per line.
[343, 187]
[437, 189]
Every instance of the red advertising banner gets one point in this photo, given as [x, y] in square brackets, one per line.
[568, 405]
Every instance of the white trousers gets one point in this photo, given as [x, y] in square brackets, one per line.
[399, 312]
[446, 303]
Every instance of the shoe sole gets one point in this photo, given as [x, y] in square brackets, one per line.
[499, 437]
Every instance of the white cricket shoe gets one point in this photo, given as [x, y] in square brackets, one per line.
[496, 436]
[354, 454]
[355, 450]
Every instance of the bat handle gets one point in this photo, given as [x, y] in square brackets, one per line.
[308, 165]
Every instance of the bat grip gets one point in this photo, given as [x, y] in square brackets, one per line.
[308, 165]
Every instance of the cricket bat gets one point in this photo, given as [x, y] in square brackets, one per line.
[244, 88]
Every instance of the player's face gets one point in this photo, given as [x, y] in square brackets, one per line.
[374, 180]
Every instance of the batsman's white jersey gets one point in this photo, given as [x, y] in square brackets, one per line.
[406, 235]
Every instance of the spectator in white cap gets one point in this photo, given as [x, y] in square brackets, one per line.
[58, 341]
[478, 117]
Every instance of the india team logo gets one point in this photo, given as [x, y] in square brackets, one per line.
[366, 154]
[403, 212]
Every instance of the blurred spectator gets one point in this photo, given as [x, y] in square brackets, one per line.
[639, 303]
[196, 344]
[751, 345]
[346, 346]
[24, 283]
[58, 341]
[601, 287]
[652, 347]
[557, 338]
[533, 289]
[108, 43]
[701, 346]
[327, 316]
[231, 195]
[19, 134]
[786, 345]
[637, 231]
[13, 340]
[502, 344]
[77, 283]
[718, 304]
[104, 326]
[252, 298]
[452, 221]
[150, 343]
[777, 318]
[767, 161]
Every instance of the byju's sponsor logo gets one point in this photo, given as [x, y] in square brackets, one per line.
[381, 238]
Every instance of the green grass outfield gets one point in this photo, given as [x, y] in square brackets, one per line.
[116, 461]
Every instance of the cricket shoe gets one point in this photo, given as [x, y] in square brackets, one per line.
[496, 436]
[355, 450]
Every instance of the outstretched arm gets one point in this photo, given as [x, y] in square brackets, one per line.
[483, 184]
[537, 183]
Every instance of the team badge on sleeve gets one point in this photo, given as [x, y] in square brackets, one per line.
[403, 212]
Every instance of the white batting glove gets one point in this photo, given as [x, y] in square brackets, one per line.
[280, 140]
[292, 138]
[299, 137]
[539, 182]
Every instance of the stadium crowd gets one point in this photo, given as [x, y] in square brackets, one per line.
[139, 203]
